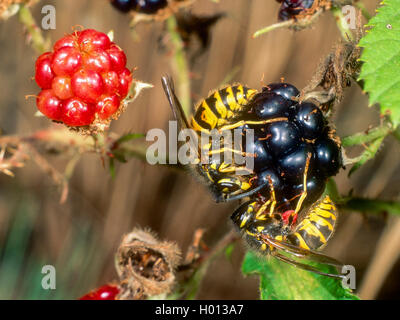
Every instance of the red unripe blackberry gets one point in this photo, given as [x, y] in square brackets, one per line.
[87, 85]
[75, 112]
[106, 107]
[84, 80]
[49, 105]
[111, 82]
[61, 87]
[44, 74]
[106, 292]
[66, 61]
[125, 79]
[117, 57]
[91, 40]
[68, 41]
[98, 61]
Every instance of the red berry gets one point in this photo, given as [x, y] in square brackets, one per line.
[61, 87]
[86, 74]
[68, 41]
[87, 85]
[43, 73]
[49, 105]
[76, 113]
[66, 61]
[91, 40]
[118, 58]
[111, 82]
[106, 107]
[125, 80]
[106, 292]
[98, 61]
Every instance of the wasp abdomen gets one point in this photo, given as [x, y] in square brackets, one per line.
[221, 106]
[317, 227]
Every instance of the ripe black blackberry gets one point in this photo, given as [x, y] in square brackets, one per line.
[283, 148]
[141, 6]
[122, 5]
[291, 8]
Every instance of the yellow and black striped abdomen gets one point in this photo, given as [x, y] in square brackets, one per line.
[221, 106]
[315, 229]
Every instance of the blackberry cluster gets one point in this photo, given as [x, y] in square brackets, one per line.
[282, 147]
[291, 8]
[141, 6]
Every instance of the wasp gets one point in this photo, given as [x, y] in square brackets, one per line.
[288, 235]
[268, 230]
[222, 111]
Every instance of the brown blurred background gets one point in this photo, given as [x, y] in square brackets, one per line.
[80, 237]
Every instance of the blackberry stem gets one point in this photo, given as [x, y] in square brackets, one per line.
[39, 43]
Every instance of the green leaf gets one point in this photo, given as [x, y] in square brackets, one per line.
[281, 281]
[381, 57]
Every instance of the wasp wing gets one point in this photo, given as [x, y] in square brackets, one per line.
[301, 253]
[305, 266]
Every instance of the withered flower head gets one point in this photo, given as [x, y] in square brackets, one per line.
[146, 265]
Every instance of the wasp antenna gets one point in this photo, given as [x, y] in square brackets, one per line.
[168, 85]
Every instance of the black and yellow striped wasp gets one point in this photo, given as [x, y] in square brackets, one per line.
[288, 235]
[284, 235]
[222, 111]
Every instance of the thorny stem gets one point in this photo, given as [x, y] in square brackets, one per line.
[39, 43]
[192, 285]
[180, 65]
[366, 136]
[63, 138]
[361, 204]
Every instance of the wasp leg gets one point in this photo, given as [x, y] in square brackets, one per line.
[232, 168]
[260, 212]
[222, 150]
[304, 266]
[244, 122]
[249, 193]
[304, 193]
[271, 202]
[272, 190]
